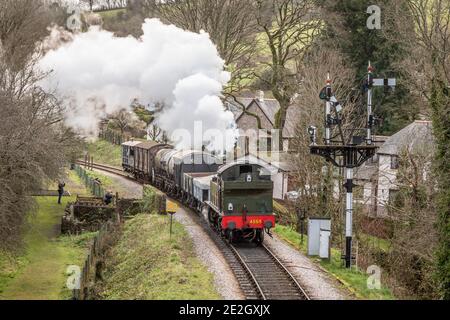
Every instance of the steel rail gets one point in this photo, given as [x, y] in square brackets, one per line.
[249, 272]
[288, 273]
[267, 291]
[109, 169]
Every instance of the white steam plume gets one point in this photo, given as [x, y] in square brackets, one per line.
[99, 74]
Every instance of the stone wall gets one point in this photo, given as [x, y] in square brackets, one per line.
[86, 216]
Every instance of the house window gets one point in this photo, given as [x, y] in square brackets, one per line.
[394, 162]
[265, 144]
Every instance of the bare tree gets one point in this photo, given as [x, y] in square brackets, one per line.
[289, 27]
[424, 28]
[124, 120]
[35, 143]
[154, 132]
[429, 75]
[22, 24]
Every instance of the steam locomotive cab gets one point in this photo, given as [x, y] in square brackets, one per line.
[241, 204]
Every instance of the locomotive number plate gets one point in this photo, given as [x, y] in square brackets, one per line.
[256, 221]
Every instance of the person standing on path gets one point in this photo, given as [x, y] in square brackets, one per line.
[61, 186]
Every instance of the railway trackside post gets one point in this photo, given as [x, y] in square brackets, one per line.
[302, 216]
[171, 208]
[116, 203]
[171, 223]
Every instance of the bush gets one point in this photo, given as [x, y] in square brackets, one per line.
[153, 200]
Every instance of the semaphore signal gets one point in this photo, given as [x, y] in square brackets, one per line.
[348, 154]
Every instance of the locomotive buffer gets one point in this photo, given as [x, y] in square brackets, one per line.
[348, 153]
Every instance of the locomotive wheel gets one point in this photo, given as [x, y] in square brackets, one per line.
[211, 216]
[259, 237]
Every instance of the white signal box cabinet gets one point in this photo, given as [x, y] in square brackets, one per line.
[319, 232]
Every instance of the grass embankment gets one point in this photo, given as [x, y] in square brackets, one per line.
[38, 271]
[161, 268]
[110, 183]
[105, 153]
[354, 280]
[106, 182]
[108, 14]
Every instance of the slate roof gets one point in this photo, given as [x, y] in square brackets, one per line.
[269, 107]
[235, 108]
[417, 133]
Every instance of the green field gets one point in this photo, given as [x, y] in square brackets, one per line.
[355, 281]
[108, 14]
[162, 268]
[105, 153]
[38, 272]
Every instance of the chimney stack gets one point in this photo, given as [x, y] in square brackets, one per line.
[261, 96]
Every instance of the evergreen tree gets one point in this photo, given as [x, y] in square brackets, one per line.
[347, 27]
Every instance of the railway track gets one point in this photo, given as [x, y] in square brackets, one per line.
[106, 168]
[270, 278]
[261, 275]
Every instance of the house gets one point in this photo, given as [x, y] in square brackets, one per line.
[378, 176]
[266, 110]
[262, 144]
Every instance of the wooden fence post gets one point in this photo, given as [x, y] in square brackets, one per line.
[117, 208]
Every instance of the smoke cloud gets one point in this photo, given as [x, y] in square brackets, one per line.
[99, 74]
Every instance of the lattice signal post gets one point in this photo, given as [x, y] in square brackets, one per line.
[349, 154]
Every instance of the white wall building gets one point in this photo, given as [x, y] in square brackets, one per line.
[378, 177]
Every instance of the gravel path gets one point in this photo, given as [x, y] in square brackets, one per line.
[318, 284]
[206, 250]
[127, 189]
